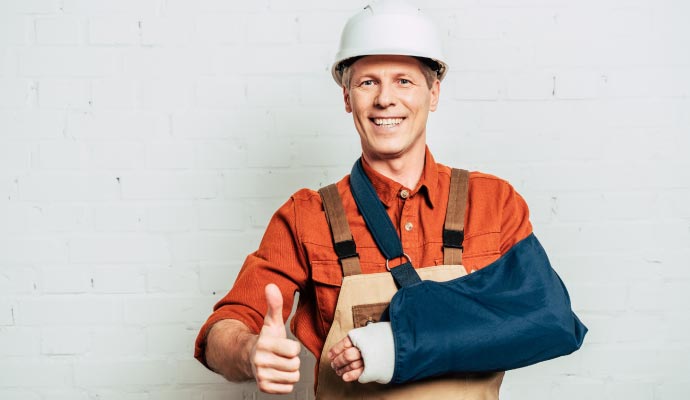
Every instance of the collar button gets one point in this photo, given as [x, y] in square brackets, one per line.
[404, 194]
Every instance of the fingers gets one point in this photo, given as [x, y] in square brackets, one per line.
[275, 359]
[273, 320]
[276, 382]
[344, 344]
[346, 360]
[275, 363]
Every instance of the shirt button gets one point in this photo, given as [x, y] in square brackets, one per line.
[409, 226]
[404, 194]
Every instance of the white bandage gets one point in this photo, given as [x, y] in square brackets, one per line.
[375, 342]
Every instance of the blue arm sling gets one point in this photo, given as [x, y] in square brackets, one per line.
[512, 313]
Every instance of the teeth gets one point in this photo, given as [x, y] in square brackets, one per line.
[387, 122]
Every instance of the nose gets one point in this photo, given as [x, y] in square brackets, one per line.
[385, 97]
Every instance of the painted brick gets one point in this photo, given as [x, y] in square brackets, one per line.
[120, 155]
[17, 93]
[115, 93]
[62, 154]
[19, 394]
[166, 94]
[120, 374]
[217, 280]
[170, 155]
[283, 28]
[221, 28]
[23, 373]
[68, 186]
[59, 279]
[18, 280]
[219, 93]
[192, 372]
[61, 341]
[213, 247]
[222, 216]
[318, 27]
[117, 342]
[221, 154]
[19, 342]
[154, 62]
[139, 8]
[28, 7]
[64, 93]
[116, 125]
[166, 31]
[176, 279]
[170, 218]
[113, 31]
[169, 339]
[221, 125]
[167, 309]
[18, 249]
[15, 157]
[66, 217]
[57, 310]
[119, 248]
[212, 113]
[118, 279]
[31, 124]
[118, 218]
[7, 312]
[68, 62]
[182, 7]
[271, 152]
[15, 30]
[169, 185]
[62, 30]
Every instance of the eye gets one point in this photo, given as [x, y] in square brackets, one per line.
[404, 81]
[368, 82]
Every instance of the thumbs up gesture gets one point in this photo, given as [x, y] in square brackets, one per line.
[275, 358]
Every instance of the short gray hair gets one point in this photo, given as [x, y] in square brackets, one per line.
[429, 67]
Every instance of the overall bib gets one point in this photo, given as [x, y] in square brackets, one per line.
[363, 298]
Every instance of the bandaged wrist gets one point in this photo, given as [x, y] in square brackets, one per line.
[375, 342]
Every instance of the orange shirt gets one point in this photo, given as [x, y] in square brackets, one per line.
[296, 252]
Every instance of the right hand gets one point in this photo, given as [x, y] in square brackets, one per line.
[275, 358]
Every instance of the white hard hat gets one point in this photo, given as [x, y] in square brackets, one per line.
[392, 27]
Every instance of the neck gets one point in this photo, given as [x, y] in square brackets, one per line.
[406, 170]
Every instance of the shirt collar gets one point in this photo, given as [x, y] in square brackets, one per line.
[388, 190]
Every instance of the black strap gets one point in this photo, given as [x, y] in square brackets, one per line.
[380, 225]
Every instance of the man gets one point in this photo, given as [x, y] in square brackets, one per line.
[390, 69]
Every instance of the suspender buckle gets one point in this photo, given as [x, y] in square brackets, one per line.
[345, 249]
[452, 238]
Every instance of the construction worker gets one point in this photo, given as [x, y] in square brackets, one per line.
[390, 68]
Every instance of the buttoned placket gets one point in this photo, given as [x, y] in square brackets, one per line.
[409, 231]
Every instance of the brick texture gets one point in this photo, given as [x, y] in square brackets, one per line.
[144, 145]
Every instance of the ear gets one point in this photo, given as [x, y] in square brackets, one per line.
[346, 99]
[435, 93]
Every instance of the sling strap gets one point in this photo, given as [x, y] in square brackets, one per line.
[343, 243]
[382, 229]
[380, 225]
[454, 226]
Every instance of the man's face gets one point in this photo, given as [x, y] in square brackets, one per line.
[390, 101]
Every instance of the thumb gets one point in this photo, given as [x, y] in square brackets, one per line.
[274, 315]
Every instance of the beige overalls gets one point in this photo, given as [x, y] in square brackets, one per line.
[363, 297]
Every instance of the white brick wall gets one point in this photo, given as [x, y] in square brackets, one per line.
[144, 144]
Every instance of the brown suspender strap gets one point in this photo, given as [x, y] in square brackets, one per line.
[342, 237]
[454, 228]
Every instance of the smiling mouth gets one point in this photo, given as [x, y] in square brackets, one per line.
[387, 122]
